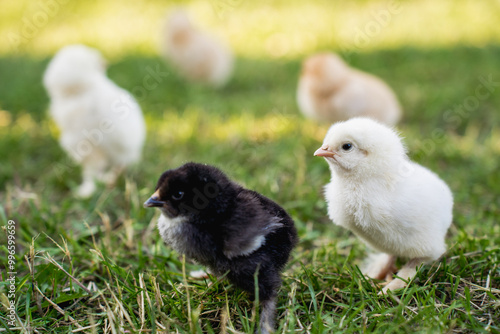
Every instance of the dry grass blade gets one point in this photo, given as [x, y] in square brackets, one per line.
[142, 311]
[57, 308]
[188, 297]
[77, 282]
[119, 306]
[84, 328]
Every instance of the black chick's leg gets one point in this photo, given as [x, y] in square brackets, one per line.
[267, 315]
[269, 282]
[269, 285]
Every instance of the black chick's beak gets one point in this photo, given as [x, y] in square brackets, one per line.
[154, 201]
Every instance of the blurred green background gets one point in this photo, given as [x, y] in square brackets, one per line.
[434, 54]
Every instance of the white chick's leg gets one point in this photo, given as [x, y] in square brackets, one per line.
[86, 189]
[380, 266]
[267, 314]
[110, 177]
[408, 271]
[93, 166]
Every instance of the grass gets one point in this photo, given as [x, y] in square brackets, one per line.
[99, 265]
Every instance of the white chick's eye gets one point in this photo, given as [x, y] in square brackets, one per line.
[347, 146]
[178, 196]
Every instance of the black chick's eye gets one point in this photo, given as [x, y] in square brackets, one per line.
[347, 146]
[178, 195]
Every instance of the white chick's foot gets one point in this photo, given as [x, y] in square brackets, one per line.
[380, 266]
[393, 285]
[406, 273]
[199, 274]
[86, 189]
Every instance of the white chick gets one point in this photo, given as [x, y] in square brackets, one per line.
[393, 204]
[198, 56]
[329, 90]
[102, 127]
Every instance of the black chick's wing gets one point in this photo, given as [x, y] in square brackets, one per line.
[254, 221]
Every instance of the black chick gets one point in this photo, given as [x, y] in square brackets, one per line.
[229, 229]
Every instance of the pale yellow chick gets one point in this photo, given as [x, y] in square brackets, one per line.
[329, 90]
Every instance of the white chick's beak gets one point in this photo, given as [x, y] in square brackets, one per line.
[324, 151]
